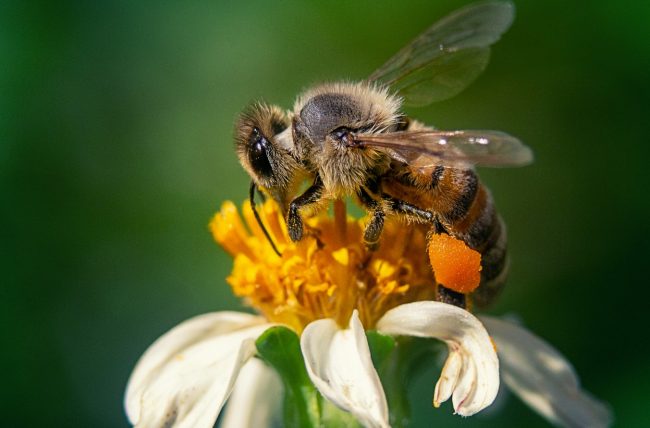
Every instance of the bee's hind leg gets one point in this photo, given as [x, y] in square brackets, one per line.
[447, 295]
[444, 294]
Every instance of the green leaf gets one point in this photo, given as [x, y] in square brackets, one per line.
[280, 348]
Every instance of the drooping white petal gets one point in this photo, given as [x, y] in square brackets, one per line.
[187, 374]
[543, 378]
[256, 400]
[448, 378]
[472, 367]
[339, 364]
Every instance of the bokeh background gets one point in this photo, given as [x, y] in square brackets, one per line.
[115, 150]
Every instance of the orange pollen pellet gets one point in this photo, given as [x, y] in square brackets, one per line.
[455, 265]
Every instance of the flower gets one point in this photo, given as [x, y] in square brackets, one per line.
[327, 276]
[330, 289]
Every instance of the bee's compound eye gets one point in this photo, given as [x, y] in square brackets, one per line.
[257, 154]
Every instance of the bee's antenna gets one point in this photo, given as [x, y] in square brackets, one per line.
[253, 188]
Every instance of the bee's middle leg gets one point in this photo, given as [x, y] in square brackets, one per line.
[402, 207]
[378, 207]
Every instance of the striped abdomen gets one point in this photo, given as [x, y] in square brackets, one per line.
[465, 210]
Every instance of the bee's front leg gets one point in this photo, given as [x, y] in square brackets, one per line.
[310, 196]
[376, 225]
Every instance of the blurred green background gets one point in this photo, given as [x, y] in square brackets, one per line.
[116, 148]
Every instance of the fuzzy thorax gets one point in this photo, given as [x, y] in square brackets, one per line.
[322, 116]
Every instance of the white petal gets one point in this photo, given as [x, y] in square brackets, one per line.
[339, 364]
[476, 382]
[448, 378]
[543, 378]
[256, 400]
[187, 374]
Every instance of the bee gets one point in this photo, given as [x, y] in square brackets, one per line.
[352, 139]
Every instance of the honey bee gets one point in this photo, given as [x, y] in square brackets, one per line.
[352, 139]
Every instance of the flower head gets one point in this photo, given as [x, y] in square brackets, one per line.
[330, 289]
[327, 276]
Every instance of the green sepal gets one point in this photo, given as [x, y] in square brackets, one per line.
[280, 348]
[380, 345]
[397, 362]
[333, 417]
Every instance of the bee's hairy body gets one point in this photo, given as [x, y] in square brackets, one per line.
[352, 139]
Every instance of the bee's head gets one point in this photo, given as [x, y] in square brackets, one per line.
[264, 147]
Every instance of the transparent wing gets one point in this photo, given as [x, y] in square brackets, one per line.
[422, 149]
[448, 56]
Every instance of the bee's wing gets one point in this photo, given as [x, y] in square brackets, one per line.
[460, 149]
[448, 56]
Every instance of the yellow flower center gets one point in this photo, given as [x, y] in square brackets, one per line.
[329, 273]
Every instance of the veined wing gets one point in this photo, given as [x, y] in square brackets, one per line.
[452, 148]
[448, 56]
